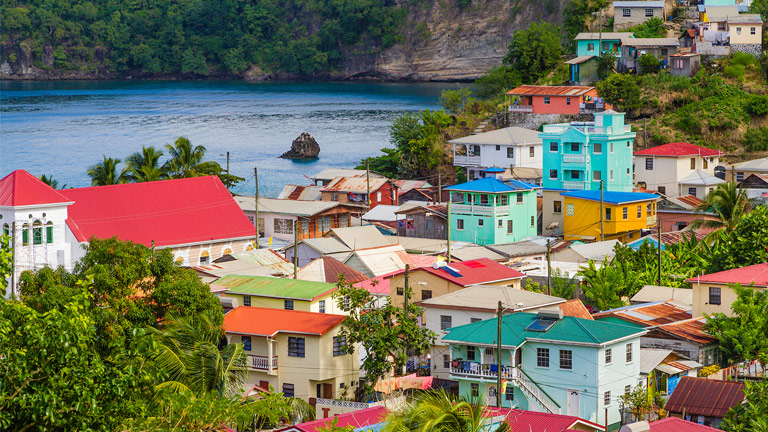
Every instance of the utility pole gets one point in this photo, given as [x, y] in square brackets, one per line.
[227, 163]
[295, 248]
[439, 188]
[405, 306]
[602, 213]
[645, 134]
[256, 202]
[448, 227]
[498, 356]
[600, 40]
[368, 183]
[658, 221]
[549, 268]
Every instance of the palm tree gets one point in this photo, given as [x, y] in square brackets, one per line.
[50, 181]
[145, 165]
[194, 356]
[105, 173]
[436, 411]
[728, 202]
[187, 161]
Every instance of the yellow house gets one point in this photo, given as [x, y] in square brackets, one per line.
[297, 353]
[714, 292]
[281, 293]
[626, 213]
[427, 282]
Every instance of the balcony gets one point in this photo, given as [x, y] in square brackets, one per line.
[521, 108]
[580, 185]
[480, 210]
[256, 362]
[466, 160]
[478, 370]
[574, 158]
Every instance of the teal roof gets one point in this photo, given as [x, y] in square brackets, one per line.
[275, 287]
[514, 333]
[490, 185]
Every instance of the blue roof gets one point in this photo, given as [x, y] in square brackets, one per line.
[490, 185]
[493, 170]
[611, 197]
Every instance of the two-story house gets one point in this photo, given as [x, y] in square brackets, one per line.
[589, 44]
[537, 99]
[551, 362]
[713, 293]
[507, 147]
[297, 353]
[677, 169]
[366, 191]
[423, 220]
[581, 155]
[631, 13]
[626, 214]
[281, 293]
[488, 211]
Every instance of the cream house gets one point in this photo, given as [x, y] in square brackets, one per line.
[714, 292]
[297, 353]
[677, 169]
[746, 33]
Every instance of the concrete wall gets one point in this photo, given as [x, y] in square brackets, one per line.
[637, 16]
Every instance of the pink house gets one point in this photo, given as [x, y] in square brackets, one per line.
[554, 100]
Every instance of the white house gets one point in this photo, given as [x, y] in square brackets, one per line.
[677, 169]
[508, 147]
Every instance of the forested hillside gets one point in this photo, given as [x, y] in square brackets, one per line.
[405, 39]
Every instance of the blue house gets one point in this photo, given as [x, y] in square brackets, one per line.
[552, 363]
[590, 43]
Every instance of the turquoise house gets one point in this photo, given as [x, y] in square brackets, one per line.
[588, 44]
[551, 363]
[489, 211]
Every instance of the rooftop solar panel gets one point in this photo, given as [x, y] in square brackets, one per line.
[451, 271]
[541, 325]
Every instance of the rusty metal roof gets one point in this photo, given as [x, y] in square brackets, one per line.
[534, 90]
[575, 308]
[690, 200]
[705, 397]
[354, 184]
[649, 314]
[692, 329]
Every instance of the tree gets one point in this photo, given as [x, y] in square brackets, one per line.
[106, 173]
[186, 160]
[605, 65]
[145, 165]
[637, 402]
[752, 415]
[562, 284]
[621, 91]
[6, 261]
[743, 336]
[50, 181]
[384, 332]
[600, 286]
[648, 63]
[729, 202]
[534, 51]
[575, 17]
[436, 411]
[744, 245]
[454, 100]
[495, 82]
[651, 28]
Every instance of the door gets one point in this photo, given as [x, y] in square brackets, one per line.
[573, 403]
[492, 394]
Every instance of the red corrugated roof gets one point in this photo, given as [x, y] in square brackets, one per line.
[534, 90]
[268, 322]
[679, 149]
[21, 188]
[575, 308]
[479, 271]
[354, 419]
[649, 315]
[530, 421]
[675, 424]
[376, 286]
[691, 200]
[705, 397]
[333, 268]
[692, 329]
[755, 274]
[170, 212]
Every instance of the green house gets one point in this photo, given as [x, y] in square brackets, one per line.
[489, 211]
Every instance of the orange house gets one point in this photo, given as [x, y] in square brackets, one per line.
[535, 99]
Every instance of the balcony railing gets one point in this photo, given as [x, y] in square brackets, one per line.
[600, 130]
[521, 108]
[574, 158]
[466, 160]
[473, 369]
[479, 210]
[261, 362]
[574, 185]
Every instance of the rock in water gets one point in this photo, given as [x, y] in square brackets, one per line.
[303, 147]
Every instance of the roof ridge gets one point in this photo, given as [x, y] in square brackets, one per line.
[589, 333]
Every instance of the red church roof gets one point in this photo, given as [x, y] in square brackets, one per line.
[679, 149]
[168, 212]
[21, 188]
[755, 274]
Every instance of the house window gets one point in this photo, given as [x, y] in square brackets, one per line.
[567, 101]
[597, 148]
[498, 148]
[607, 398]
[553, 147]
[25, 235]
[334, 196]
[510, 152]
[629, 353]
[296, 347]
[246, 340]
[625, 213]
[693, 163]
[471, 353]
[503, 200]
[542, 357]
[649, 164]
[346, 304]
[446, 322]
[533, 221]
[288, 390]
[474, 320]
[49, 232]
[446, 361]
[705, 162]
[480, 222]
[246, 300]
[339, 342]
[484, 199]
[558, 207]
[662, 189]
[739, 176]
[611, 175]
[639, 211]
[553, 174]
[608, 214]
[509, 227]
[738, 30]
[532, 151]
[519, 198]
[692, 191]
[400, 291]
[714, 296]
[426, 294]
[546, 100]
[566, 359]
[752, 31]
[569, 209]
[430, 225]
[324, 224]
[575, 175]
[721, 26]
[649, 12]
[626, 12]
[475, 390]
[608, 356]
[501, 223]
[283, 226]
[205, 257]
[37, 232]
[321, 306]
[288, 304]
[590, 47]
[510, 393]
[597, 175]
[627, 389]
[574, 147]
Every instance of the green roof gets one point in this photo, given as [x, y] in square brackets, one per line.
[616, 320]
[275, 287]
[514, 333]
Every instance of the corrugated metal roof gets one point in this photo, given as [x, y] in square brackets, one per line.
[639, 4]
[700, 178]
[679, 149]
[332, 173]
[598, 251]
[580, 59]
[575, 308]
[354, 184]
[758, 165]
[21, 188]
[649, 42]
[755, 274]
[654, 293]
[268, 322]
[505, 136]
[534, 90]
[604, 36]
[692, 329]
[327, 269]
[650, 314]
[301, 193]
[361, 237]
[488, 297]
[532, 421]
[286, 206]
[275, 287]
[705, 397]
[475, 252]
[675, 424]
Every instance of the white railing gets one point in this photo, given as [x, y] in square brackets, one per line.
[531, 388]
[479, 210]
[574, 185]
[481, 370]
[574, 158]
[261, 362]
[521, 108]
[466, 160]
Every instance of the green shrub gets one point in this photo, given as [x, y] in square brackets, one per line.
[744, 59]
[735, 71]
[758, 105]
[653, 28]
[648, 63]
[688, 122]
[756, 139]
